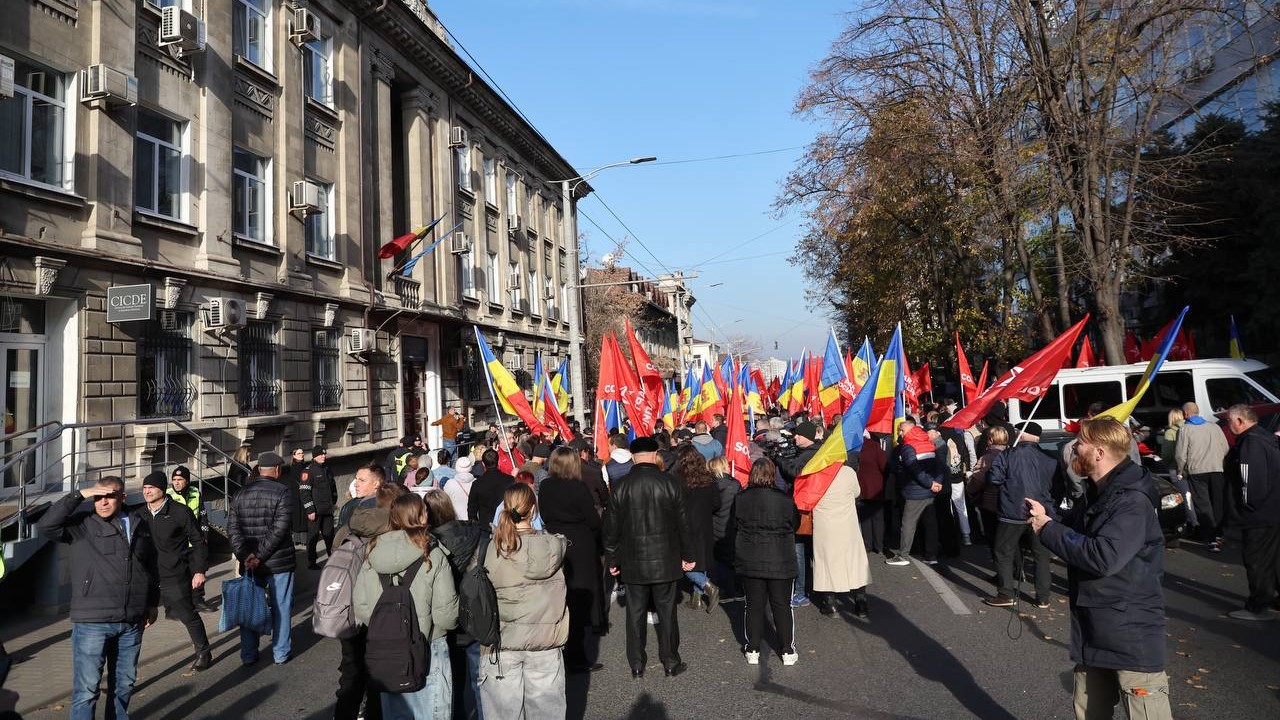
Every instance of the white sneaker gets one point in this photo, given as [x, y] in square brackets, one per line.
[790, 658]
[753, 657]
[653, 618]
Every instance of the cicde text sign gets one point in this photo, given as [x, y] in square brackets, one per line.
[130, 302]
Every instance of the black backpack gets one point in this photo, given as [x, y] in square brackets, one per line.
[395, 650]
[477, 600]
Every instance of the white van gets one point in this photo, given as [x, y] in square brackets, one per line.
[1214, 385]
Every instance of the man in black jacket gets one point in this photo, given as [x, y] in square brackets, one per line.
[1254, 469]
[258, 526]
[319, 495]
[1114, 549]
[182, 557]
[646, 543]
[1023, 471]
[291, 477]
[487, 490]
[114, 591]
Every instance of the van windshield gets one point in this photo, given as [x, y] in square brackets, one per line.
[1268, 378]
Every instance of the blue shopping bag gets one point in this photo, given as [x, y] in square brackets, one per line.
[244, 604]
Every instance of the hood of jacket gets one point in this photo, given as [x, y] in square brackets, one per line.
[919, 440]
[703, 439]
[1196, 420]
[620, 455]
[462, 476]
[540, 555]
[393, 553]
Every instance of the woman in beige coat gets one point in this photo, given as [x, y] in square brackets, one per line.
[839, 556]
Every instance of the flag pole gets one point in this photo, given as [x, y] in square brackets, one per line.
[497, 409]
[1027, 422]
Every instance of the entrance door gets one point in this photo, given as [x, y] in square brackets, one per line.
[22, 382]
[413, 385]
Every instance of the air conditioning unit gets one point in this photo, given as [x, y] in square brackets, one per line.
[181, 29]
[306, 27]
[458, 136]
[459, 244]
[224, 313]
[513, 223]
[362, 340]
[109, 86]
[169, 321]
[458, 358]
[306, 197]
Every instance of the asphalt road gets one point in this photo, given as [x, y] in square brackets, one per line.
[923, 654]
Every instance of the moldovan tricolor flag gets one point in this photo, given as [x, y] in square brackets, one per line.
[843, 440]
[1237, 347]
[1025, 381]
[402, 243]
[560, 386]
[887, 407]
[795, 398]
[711, 402]
[832, 376]
[505, 390]
[539, 397]
[553, 416]
[862, 364]
[1122, 411]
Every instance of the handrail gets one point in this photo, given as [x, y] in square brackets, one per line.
[117, 423]
[16, 435]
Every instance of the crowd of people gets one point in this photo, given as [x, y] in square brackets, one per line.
[540, 536]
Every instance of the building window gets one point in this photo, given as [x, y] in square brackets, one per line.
[549, 292]
[251, 22]
[564, 296]
[491, 181]
[259, 373]
[252, 190]
[319, 225]
[517, 297]
[317, 70]
[462, 161]
[326, 379]
[513, 209]
[35, 132]
[535, 304]
[492, 279]
[467, 274]
[164, 367]
[159, 166]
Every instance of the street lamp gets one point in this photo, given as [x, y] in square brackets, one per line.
[567, 186]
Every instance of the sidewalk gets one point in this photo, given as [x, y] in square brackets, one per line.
[40, 645]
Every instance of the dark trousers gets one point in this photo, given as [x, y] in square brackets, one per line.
[777, 595]
[871, 518]
[1009, 558]
[664, 596]
[175, 594]
[322, 526]
[1209, 497]
[353, 682]
[1260, 549]
[919, 514]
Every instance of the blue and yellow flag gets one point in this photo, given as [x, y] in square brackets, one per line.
[832, 374]
[560, 386]
[1237, 347]
[844, 440]
[1122, 411]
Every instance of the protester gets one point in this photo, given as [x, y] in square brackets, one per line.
[258, 526]
[361, 517]
[592, 474]
[113, 568]
[451, 423]
[701, 499]
[459, 487]
[922, 481]
[1023, 471]
[765, 519]
[1198, 456]
[806, 439]
[987, 496]
[183, 492]
[646, 542]
[1114, 549]
[405, 554]
[1255, 478]
[723, 573]
[873, 464]
[719, 430]
[620, 461]
[486, 492]
[460, 539]
[524, 675]
[839, 556]
[704, 442]
[319, 494]
[565, 504]
[441, 473]
[182, 558]
[509, 458]
[537, 465]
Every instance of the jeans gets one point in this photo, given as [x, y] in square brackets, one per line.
[280, 595]
[802, 565]
[92, 644]
[699, 580]
[761, 592]
[450, 446]
[435, 699]
[523, 684]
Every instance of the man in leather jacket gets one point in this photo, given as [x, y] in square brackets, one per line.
[646, 543]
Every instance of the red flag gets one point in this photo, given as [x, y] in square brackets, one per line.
[650, 378]
[982, 378]
[606, 389]
[402, 243]
[735, 443]
[968, 388]
[911, 391]
[924, 379]
[813, 386]
[632, 394]
[1086, 358]
[775, 388]
[1025, 381]
[1132, 351]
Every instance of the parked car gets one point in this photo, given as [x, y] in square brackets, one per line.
[1173, 504]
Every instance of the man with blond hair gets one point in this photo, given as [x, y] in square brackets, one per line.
[1114, 549]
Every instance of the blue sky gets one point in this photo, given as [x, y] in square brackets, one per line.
[607, 80]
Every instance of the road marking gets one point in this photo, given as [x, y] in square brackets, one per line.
[943, 589]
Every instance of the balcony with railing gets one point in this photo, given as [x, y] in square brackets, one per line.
[409, 292]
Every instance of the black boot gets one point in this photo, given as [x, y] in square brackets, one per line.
[204, 659]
